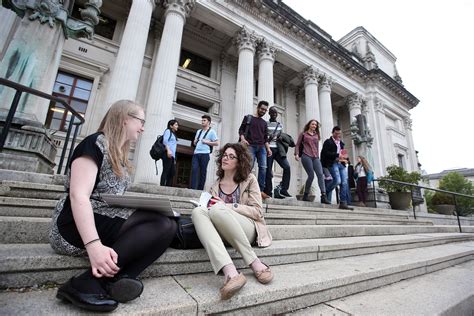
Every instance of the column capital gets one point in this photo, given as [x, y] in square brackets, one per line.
[325, 82]
[266, 50]
[407, 122]
[310, 76]
[355, 101]
[244, 39]
[379, 106]
[181, 7]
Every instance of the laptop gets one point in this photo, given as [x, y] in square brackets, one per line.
[161, 205]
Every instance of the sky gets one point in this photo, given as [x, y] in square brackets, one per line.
[433, 42]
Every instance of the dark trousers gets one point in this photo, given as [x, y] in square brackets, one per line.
[169, 170]
[362, 192]
[284, 164]
[199, 171]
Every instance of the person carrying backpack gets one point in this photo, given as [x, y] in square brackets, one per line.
[253, 133]
[205, 139]
[170, 140]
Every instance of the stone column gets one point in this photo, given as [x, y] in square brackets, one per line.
[354, 103]
[407, 122]
[310, 76]
[325, 106]
[266, 58]
[126, 73]
[246, 43]
[160, 98]
[385, 158]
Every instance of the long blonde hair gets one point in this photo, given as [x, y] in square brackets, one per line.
[112, 126]
[364, 163]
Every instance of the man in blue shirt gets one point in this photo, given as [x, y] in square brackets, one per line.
[205, 139]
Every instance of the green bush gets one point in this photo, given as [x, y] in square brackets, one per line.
[442, 198]
[399, 174]
[455, 182]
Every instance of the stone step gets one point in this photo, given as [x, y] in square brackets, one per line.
[33, 207]
[31, 190]
[446, 292]
[295, 286]
[33, 264]
[36, 229]
[337, 219]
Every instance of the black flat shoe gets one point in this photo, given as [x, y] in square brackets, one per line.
[124, 289]
[92, 302]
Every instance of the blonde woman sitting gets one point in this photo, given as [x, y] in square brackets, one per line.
[236, 218]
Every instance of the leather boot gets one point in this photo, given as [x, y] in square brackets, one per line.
[324, 199]
[305, 197]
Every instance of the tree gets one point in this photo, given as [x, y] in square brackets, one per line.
[455, 182]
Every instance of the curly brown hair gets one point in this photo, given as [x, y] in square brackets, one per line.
[306, 127]
[244, 165]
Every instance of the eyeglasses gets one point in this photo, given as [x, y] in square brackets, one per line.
[141, 120]
[230, 156]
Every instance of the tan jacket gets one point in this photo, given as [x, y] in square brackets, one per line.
[250, 206]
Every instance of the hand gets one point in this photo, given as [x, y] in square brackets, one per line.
[269, 152]
[103, 260]
[297, 158]
[169, 154]
[214, 200]
[204, 141]
[244, 141]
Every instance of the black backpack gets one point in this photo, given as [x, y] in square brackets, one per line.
[158, 150]
[247, 126]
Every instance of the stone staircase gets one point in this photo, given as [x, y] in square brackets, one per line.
[322, 258]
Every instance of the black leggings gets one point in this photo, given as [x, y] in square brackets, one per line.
[142, 239]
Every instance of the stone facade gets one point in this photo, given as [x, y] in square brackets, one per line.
[257, 50]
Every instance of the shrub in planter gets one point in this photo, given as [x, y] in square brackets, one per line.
[399, 174]
[443, 203]
[399, 194]
[442, 198]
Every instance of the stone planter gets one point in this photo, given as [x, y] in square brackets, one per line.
[311, 198]
[446, 209]
[400, 200]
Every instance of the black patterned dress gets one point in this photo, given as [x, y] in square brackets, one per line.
[64, 236]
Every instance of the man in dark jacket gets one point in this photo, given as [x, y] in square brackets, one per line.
[332, 159]
[274, 131]
[253, 133]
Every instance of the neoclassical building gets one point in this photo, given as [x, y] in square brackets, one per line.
[185, 58]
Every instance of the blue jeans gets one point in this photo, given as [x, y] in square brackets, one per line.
[284, 164]
[339, 177]
[199, 171]
[259, 153]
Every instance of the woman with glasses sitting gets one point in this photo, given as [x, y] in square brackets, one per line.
[234, 216]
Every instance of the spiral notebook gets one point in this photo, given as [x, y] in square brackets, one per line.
[161, 205]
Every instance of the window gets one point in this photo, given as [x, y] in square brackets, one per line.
[400, 161]
[74, 90]
[196, 63]
[106, 26]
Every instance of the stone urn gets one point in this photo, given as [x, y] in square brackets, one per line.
[446, 209]
[400, 200]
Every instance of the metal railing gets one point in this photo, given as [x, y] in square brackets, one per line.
[20, 89]
[416, 196]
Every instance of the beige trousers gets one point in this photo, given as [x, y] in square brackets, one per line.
[219, 224]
